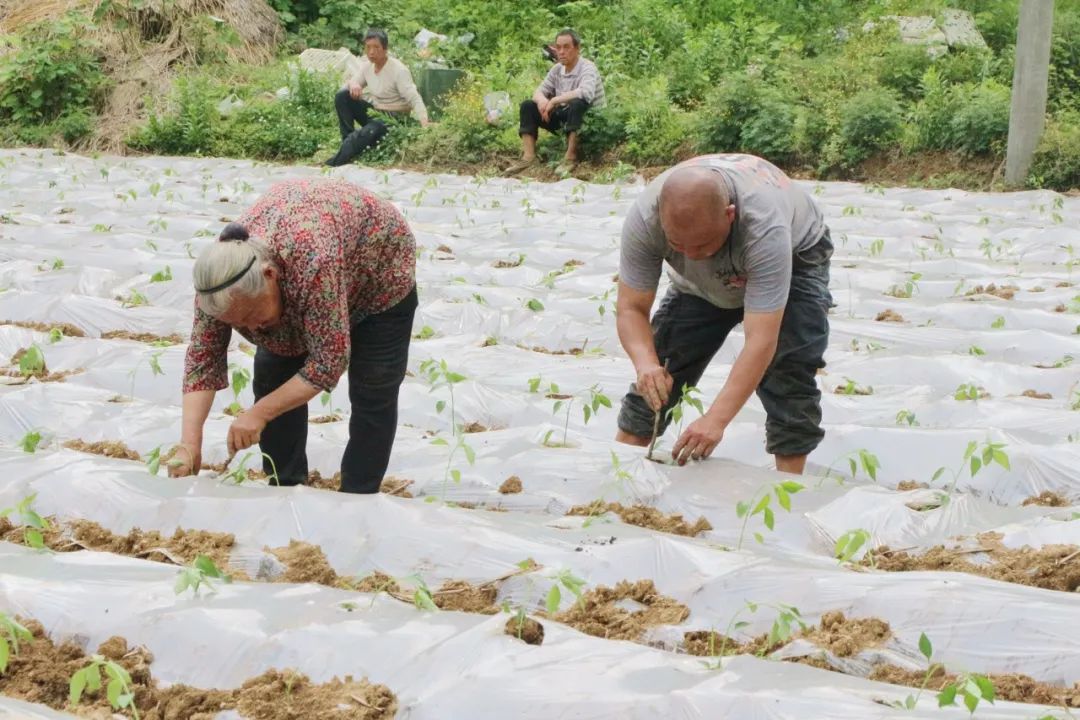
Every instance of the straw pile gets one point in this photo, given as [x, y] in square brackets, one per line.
[142, 44]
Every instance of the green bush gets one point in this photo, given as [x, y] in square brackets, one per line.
[298, 126]
[461, 135]
[902, 68]
[869, 121]
[51, 69]
[1065, 61]
[74, 126]
[188, 125]
[967, 65]
[331, 24]
[603, 131]
[931, 119]
[746, 114]
[655, 129]
[980, 124]
[1057, 160]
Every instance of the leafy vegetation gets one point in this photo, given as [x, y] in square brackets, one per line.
[804, 84]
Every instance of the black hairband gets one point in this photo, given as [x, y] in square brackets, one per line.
[231, 281]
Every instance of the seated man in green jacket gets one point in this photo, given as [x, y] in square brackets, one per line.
[382, 83]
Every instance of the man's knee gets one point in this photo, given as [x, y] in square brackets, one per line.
[529, 106]
[376, 130]
[341, 99]
[575, 114]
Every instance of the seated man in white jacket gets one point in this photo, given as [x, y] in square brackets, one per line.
[382, 83]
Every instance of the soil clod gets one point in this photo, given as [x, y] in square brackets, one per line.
[106, 448]
[67, 328]
[525, 629]
[1012, 687]
[1005, 292]
[645, 516]
[143, 337]
[511, 485]
[1048, 498]
[305, 563]
[463, 596]
[889, 316]
[40, 673]
[1051, 567]
[601, 611]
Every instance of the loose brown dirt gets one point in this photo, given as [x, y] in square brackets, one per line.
[391, 485]
[1052, 567]
[41, 375]
[376, 582]
[474, 427]
[1037, 395]
[1005, 292]
[463, 596]
[107, 448]
[316, 480]
[67, 328]
[304, 563]
[143, 337]
[600, 614]
[846, 637]
[646, 517]
[906, 485]
[836, 633]
[889, 316]
[324, 419]
[181, 548]
[1012, 687]
[511, 485]
[525, 629]
[277, 695]
[41, 671]
[1048, 498]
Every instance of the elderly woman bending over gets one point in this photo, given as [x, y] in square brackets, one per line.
[320, 276]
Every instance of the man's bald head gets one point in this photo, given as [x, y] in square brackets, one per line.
[695, 211]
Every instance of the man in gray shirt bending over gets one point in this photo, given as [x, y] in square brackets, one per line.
[744, 244]
[571, 87]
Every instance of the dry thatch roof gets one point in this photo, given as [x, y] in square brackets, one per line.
[141, 44]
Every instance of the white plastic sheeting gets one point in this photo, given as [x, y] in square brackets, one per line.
[113, 223]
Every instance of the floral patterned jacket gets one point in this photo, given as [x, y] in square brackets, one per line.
[344, 254]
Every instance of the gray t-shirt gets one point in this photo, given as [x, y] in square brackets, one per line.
[774, 220]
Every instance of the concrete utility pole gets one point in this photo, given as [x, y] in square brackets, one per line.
[1027, 117]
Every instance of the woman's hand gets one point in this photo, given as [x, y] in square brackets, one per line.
[185, 460]
[245, 431]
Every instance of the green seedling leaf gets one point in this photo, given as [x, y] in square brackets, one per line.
[770, 519]
[76, 686]
[947, 696]
[986, 687]
[422, 600]
[925, 647]
[30, 441]
[783, 498]
[554, 599]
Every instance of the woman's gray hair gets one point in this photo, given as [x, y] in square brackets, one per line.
[235, 262]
